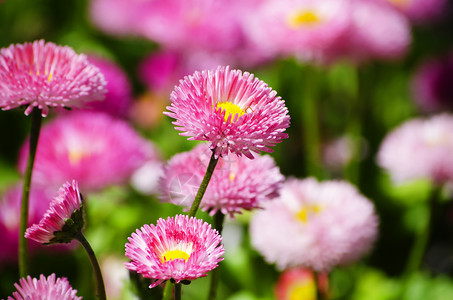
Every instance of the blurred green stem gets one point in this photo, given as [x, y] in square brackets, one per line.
[310, 126]
[177, 291]
[168, 291]
[219, 217]
[204, 185]
[421, 240]
[36, 119]
[100, 289]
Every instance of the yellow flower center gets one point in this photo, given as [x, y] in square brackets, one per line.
[308, 211]
[303, 18]
[174, 254]
[303, 290]
[75, 156]
[230, 109]
[401, 3]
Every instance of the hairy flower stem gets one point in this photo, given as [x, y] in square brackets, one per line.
[204, 185]
[177, 291]
[36, 119]
[100, 289]
[219, 217]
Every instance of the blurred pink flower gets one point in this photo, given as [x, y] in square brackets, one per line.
[237, 183]
[432, 84]
[9, 218]
[314, 224]
[299, 283]
[232, 110]
[304, 28]
[420, 11]
[419, 148]
[119, 90]
[177, 248]
[62, 208]
[50, 288]
[45, 75]
[93, 148]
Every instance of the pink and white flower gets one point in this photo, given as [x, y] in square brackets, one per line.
[237, 182]
[314, 224]
[93, 148]
[178, 248]
[63, 206]
[419, 148]
[232, 110]
[50, 288]
[45, 75]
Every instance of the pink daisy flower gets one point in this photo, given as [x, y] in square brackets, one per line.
[178, 248]
[419, 148]
[119, 90]
[432, 84]
[9, 220]
[237, 183]
[314, 224]
[91, 147]
[45, 75]
[66, 205]
[50, 288]
[303, 28]
[232, 110]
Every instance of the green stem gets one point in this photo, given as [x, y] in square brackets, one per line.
[219, 217]
[204, 185]
[168, 291]
[421, 241]
[100, 289]
[310, 124]
[177, 291]
[36, 119]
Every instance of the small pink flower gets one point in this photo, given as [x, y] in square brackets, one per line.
[419, 148]
[44, 288]
[232, 110]
[45, 75]
[62, 208]
[93, 148]
[314, 224]
[178, 248]
[237, 183]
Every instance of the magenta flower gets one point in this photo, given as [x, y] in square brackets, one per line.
[314, 224]
[237, 183]
[9, 221]
[45, 75]
[232, 110]
[67, 205]
[419, 148]
[432, 84]
[44, 288]
[92, 147]
[179, 248]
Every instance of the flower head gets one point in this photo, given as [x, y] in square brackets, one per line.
[314, 224]
[62, 220]
[237, 183]
[232, 110]
[299, 283]
[45, 75]
[178, 248]
[92, 147]
[420, 148]
[44, 288]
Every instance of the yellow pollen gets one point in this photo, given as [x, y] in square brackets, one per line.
[305, 290]
[301, 18]
[75, 156]
[307, 211]
[49, 78]
[232, 176]
[174, 254]
[230, 109]
[400, 2]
